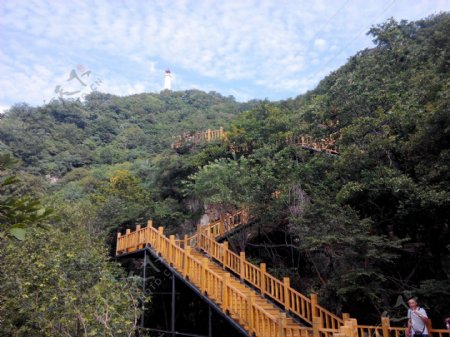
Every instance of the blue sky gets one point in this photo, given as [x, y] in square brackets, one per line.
[272, 49]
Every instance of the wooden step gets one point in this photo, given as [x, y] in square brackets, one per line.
[235, 282]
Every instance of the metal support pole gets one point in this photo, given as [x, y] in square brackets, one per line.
[143, 289]
[209, 321]
[173, 306]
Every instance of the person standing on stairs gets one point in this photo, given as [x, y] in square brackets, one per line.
[417, 320]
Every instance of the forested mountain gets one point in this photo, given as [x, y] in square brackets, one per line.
[360, 228]
[106, 129]
[371, 223]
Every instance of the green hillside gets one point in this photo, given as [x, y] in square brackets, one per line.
[106, 129]
[364, 229]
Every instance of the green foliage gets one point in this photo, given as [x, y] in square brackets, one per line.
[348, 259]
[359, 228]
[374, 222]
[60, 283]
[60, 136]
[17, 213]
[220, 181]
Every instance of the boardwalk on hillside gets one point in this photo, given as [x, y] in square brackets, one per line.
[259, 302]
[326, 145]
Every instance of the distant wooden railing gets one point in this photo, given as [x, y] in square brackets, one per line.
[327, 144]
[196, 138]
[233, 301]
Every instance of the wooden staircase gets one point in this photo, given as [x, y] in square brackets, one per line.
[244, 292]
[241, 314]
[261, 304]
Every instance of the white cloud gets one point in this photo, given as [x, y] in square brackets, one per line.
[320, 44]
[122, 89]
[3, 108]
[152, 67]
[259, 47]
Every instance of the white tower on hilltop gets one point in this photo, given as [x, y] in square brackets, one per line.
[167, 80]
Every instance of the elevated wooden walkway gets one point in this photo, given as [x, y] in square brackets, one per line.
[327, 145]
[195, 138]
[258, 302]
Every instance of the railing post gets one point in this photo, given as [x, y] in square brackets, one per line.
[185, 241]
[353, 327]
[346, 329]
[199, 236]
[210, 233]
[226, 282]
[286, 286]
[251, 314]
[225, 253]
[172, 255]
[345, 316]
[317, 325]
[127, 239]
[314, 311]
[350, 328]
[187, 254]
[245, 215]
[148, 232]
[159, 239]
[385, 324]
[138, 235]
[262, 266]
[282, 324]
[429, 327]
[203, 281]
[118, 242]
[242, 265]
[221, 227]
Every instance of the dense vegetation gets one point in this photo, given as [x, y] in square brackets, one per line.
[360, 228]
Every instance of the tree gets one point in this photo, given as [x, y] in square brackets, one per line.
[349, 261]
[17, 213]
[59, 282]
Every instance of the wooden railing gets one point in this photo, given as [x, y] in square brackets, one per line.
[267, 285]
[327, 144]
[178, 254]
[242, 305]
[352, 329]
[196, 138]
[218, 287]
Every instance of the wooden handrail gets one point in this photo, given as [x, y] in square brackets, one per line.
[233, 300]
[243, 305]
[266, 284]
[327, 144]
[198, 137]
